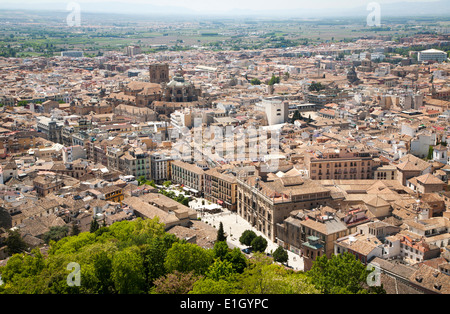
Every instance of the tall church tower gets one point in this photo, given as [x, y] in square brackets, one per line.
[159, 73]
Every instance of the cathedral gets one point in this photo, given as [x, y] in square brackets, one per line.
[180, 90]
[352, 77]
[159, 89]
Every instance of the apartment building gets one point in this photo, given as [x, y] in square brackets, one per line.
[305, 229]
[266, 204]
[363, 247]
[410, 166]
[412, 249]
[72, 153]
[386, 172]
[340, 164]
[132, 50]
[75, 169]
[182, 118]
[17, 142]
[111, 193]
[432, 55]
[276, 111]
[435, 230]
[426, 183]
[135, 162]
[93, 105]
[51, 128]
[159, 164]
[188, 175]
[47, 184]
[221, 188]
[113, 153]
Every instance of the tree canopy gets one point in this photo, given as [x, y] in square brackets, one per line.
[140, 257]
[259, 244]
[340, 274]
[247, 237]
[280, 255]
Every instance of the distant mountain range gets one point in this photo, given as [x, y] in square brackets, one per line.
[405, 8]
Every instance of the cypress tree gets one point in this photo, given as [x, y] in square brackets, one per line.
[221, 234]
[94, 225]
[75, 229]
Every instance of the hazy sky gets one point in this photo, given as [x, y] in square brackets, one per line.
[227, 5]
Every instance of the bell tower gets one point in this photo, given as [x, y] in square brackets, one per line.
[159, 73]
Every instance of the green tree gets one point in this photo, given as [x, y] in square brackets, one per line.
[280, 255]
[15, 243]
[128, 271]
[341, 274]
[185, 202]
[274, 80]
[316, 87]
[141, 180]
[112, 260]
[259, 244]
[296, 116]
[154, 254]
[220, 269]
[167, 183]
[175, 283]
[430, 153]
[94, 225]
[103, 271]
[237, 260]
[247, 237]
[75, 229]
[221, 234]
[211, 286]
[264, 277]
[186, 257]
[56, 233]
[255, 81]
[21, 274]
[221, 250]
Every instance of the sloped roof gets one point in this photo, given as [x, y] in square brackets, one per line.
[377, 201]
[408, 166]
[429, 179]
[421, 164]
[431, 279]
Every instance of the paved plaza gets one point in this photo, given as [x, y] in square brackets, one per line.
[234, 226]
